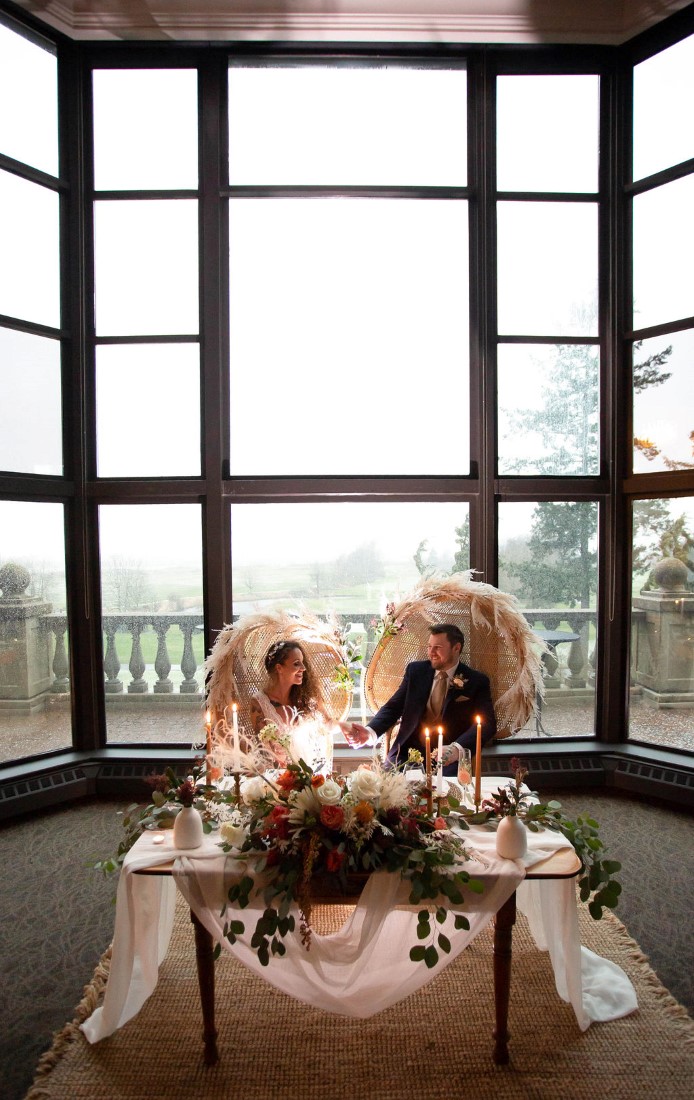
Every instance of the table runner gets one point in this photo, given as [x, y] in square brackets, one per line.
[365, 966]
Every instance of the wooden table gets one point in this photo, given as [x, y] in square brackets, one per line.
[563, 864]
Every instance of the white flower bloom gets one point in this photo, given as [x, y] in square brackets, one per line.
[364, 784]
[253, 789]
[232, 833]
[329, 793]
[395, 790]
[303, 804]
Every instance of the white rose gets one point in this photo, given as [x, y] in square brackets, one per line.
[252, 790]
[232, 834]
[364, 784]
[329, 793]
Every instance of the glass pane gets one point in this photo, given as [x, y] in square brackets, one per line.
[548, 409]
[151, 594]
[146, 264]
[547, 133]
[663, 95]
[145, 128]
[34, 653]
[314, 124]
[663, 246]
[154, 390]
[664, 403]
[548, 558]
[547, 268]
[338, 305]
[29, 259]
[661, 696]
[29, 95]
[30, 384]
[346, 559]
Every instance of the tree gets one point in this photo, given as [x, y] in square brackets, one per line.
[363, 565]
[657, 535]
[461, 561]
[429, 562]
[125, 585]
[563, 564]
[648, 373]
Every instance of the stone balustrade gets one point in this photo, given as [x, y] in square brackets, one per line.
[574, 669]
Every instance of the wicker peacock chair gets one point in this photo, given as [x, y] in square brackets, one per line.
[498, 642]
[235, 668]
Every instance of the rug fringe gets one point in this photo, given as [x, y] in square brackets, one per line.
[63, 1039]
[667, 1002]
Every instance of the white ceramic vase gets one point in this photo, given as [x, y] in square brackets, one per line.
[187, 829]
[511, 838]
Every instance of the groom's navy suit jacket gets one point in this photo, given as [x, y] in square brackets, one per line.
[460, 709]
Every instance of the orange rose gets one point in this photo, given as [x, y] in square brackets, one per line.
[363, 811]
[440, 823]
[332, 816]
[317, 781]
[288, 781]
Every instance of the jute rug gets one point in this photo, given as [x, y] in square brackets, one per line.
[435, 1044]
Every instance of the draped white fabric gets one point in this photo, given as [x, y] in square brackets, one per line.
[365, 966]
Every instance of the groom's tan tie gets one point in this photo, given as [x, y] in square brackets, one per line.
[438, 694]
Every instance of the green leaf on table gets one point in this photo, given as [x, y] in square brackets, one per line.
[417, 953]
[444, 943]
[431, 956]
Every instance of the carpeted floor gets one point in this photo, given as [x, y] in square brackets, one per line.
[57, 918]
[436, 1042]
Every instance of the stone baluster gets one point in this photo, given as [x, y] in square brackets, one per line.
[138, 685]
[60, 666]
[113, 684]
[578, 657]
[188, 662]
[162, 661]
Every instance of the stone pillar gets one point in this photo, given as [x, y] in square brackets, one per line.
[25, 644]
[664, 659]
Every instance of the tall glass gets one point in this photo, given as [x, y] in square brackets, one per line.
[465, 775]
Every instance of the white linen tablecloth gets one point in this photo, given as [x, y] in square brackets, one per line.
[365, 966]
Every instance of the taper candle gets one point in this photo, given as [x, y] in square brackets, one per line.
[478, 763]
[439, 764]
[237, 746]
[208, 746]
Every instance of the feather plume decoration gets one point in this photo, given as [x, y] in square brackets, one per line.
[498, 642]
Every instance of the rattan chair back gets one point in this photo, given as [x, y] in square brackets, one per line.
[235, 668]
[498, 642]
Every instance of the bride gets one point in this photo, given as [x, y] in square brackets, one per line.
[292, 703]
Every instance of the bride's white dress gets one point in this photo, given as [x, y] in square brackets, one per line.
[310, 733]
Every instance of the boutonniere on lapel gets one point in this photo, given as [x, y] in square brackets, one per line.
[459, 682]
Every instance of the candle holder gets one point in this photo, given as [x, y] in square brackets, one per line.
[237, 785]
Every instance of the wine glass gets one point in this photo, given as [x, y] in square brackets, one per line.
[465, 774]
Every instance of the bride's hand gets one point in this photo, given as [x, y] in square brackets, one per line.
[356, 734]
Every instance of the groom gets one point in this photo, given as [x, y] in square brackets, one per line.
[441, 691]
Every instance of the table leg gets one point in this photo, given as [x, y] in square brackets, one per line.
[503, 938]
[204, 956]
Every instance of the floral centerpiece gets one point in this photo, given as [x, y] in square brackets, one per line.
[301, 827]
[298, 828]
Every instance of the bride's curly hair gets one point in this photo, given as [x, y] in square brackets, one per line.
[305, 696]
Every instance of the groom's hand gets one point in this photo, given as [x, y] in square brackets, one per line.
[449, 753]
[357, 735]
